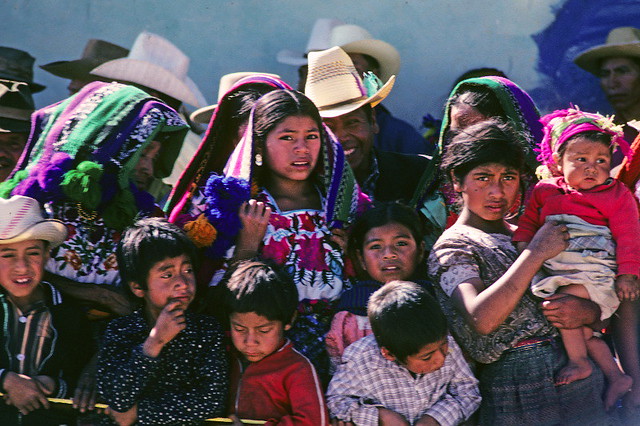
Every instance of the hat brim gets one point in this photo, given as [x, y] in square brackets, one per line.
[149, 75]
[345, 108]
[73, 70]
[203, 115]
[33, 86]
[51, 230]
[292, 57]
[386, 55]
[590, 59]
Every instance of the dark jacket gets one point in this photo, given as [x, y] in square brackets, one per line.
[399, 175]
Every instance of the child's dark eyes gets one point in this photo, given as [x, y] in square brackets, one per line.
[374, 247]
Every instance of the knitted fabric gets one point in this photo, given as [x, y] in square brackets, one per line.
[85, 148]
[212, 154]
[522, 114]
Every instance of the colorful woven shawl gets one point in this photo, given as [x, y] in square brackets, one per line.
[519, 109]
[84, 149]
[212, 154]
[225, 193]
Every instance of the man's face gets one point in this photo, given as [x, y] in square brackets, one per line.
[355, 133]
[620, 81]
[11, 147]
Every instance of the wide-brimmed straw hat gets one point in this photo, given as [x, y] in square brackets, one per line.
[621, 41]
[16, 107]
[17, 65]
[352, 39]
[156, 63]
[334, 85]
[227, 81]
[21, 219]
[96, 52]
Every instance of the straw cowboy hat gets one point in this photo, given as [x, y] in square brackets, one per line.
[334, 85]
[227, 81]
[96, 52]
[16, 107]
[17, 65]
[156, 63]
[352, 39]
[21, 220]
[621, 41]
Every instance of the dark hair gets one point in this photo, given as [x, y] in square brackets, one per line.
[274, 107]
[592, 135]
[490, 141]
[260, 287]
[147, 242]
[481, 98]
[371, 61]
[383, 214]
[479, 72]
[404, 318]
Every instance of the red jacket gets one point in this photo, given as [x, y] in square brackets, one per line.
[282, 388]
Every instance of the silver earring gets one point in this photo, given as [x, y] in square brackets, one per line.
[258, 160]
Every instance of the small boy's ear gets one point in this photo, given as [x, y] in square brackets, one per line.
[456, 183]
[293, 319]
[136, 289]
[387, 355]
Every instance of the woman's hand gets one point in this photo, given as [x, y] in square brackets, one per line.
[567, 311]
[549, 241]
[254, 216]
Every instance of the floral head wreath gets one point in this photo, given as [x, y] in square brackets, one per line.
[562, 125]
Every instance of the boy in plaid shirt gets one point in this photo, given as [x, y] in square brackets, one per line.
[409, 372]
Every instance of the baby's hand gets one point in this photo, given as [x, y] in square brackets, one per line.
[170, 322]
[627, 287]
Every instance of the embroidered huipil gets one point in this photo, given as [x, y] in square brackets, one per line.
[366, 381]
[184, 384]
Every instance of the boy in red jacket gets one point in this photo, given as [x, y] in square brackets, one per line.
[270, 380]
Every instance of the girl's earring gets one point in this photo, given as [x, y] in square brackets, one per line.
[258, 160]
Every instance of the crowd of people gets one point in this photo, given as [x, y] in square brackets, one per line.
[309, 258]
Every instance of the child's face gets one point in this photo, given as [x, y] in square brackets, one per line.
[255, 336]
[429, 358]
[168, 280]
[585, 164]
[292, 148]
[22, 268]
[390, 252]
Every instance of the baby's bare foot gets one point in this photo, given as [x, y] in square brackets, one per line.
[616, 389]
[574, 370]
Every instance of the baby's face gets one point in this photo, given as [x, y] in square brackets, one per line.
[585, 163]
[255, 336]
[22, 268]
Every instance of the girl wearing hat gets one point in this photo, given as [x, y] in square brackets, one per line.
[87, 159]
[287, 186]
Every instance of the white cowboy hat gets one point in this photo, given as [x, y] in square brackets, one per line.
[227, 81]
[320, 39]
[333, 84]
[621, 41]
[21, 220]
[352, 39]
[156, 63]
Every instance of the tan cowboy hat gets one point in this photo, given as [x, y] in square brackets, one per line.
[621, 41]
[96, 52]
[319, 39]
[156, 63]
[21, 219]
[227, 81]
[334, 85]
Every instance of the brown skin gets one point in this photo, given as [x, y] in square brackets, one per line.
[620, 82]
[11, 147]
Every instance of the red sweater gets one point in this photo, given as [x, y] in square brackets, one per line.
[611, 205]
[282, 388]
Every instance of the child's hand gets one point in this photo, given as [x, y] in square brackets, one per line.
[170, 322]
[387, 417]
[254, 216]
[627, 287]
[84, 397]
[127, 418]
[549, 241]
[25, 393]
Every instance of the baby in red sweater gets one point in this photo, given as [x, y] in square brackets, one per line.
[270, 380]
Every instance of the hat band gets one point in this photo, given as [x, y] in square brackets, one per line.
[339, 104]
[15, 113]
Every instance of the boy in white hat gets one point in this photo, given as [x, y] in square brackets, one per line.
[42, 333]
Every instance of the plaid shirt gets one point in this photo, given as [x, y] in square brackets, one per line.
[366, 381]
